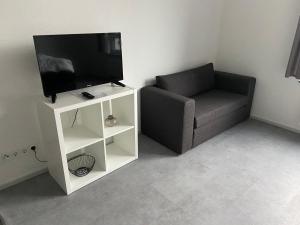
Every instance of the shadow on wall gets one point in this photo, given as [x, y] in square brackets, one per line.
[18, 119]
[2, 222]
[150, 81]
[20, 90]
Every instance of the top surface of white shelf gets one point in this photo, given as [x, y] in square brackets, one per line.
[73, 99]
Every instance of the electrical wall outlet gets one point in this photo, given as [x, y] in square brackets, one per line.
[16, 154]
[5, 156]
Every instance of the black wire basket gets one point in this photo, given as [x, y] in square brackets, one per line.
[81, 165]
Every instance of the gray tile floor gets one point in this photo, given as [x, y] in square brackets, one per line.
[248, 175]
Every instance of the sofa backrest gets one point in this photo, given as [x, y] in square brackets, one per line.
[188, 83]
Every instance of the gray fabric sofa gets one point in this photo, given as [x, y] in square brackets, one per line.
[184, 109]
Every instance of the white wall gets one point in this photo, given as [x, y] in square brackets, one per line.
[256, 39]
[158, 37]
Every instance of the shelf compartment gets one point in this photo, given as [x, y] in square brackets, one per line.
[78, 137]
[99, 170]
[120, 150]
[79, 182]
[123, 109]
[81, 127]
[117, 157]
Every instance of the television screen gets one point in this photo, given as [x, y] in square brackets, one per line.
[74, 61]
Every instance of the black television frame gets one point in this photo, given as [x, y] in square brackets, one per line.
[115, 81]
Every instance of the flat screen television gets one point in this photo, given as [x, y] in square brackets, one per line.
[73, 61]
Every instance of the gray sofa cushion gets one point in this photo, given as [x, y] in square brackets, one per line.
[216, 103]
[220, 124]
[188, 83]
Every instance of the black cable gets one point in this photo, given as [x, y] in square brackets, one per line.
[36, 157]
[33, 148]
[75, 117]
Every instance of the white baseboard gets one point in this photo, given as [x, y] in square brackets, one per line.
[274, 123]
[22, 178]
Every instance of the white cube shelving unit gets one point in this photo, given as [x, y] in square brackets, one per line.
[113, 147]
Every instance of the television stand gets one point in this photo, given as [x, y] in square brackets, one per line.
[118, 83]
[73, 126]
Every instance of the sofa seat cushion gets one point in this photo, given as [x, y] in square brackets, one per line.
[216, 103]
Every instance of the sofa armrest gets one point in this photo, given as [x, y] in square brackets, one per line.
[167, 118]
[240, 84]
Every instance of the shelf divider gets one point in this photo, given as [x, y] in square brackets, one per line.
[111, 131]
[79, 137]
